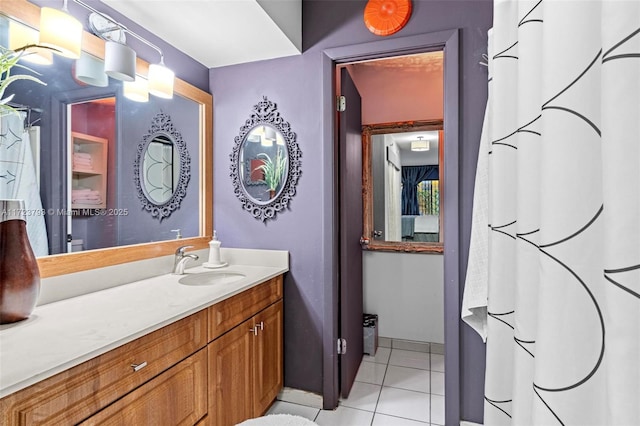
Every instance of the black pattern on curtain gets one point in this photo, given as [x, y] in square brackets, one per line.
[411, 177]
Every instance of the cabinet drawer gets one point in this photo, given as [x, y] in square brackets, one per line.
[75, 394]
[225, 315]
[176, 397]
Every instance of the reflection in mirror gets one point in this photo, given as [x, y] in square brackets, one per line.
[263, 163]
[403, 195]
[162, 168]
[86, 146]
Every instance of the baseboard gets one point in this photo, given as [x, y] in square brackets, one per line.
[301, 397]
[466, 423]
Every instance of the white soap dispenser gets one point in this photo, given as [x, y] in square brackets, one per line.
[214, 253]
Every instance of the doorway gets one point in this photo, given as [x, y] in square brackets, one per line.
[447, 41]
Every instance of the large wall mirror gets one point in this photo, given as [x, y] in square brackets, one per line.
[88, 141]
[403, 186]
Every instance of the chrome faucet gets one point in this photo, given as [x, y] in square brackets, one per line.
[181, 259]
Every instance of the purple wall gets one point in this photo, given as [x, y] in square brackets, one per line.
[299, 87]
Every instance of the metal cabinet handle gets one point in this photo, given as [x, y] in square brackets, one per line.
[137, 367]
[259, 326]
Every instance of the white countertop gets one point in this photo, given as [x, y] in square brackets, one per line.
[63, 334]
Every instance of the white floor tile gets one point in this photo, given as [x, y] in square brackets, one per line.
[410, 359]
[437, 409]
[363, 396]
[404, 403]
[371, 372]
[344, 416]
[407, 378]
[282, 407]
[437, 362]
[382, 356]
[384, 420]
[410, 345]
[437, 382]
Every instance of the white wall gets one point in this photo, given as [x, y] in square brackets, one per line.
[406, 290]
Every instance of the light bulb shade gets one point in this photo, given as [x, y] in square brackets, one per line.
[137, 90]
[420, 145]
[270, 133]
[60, 31]
[119, 61]
[161, 81]
[21, 36]
[90, 70]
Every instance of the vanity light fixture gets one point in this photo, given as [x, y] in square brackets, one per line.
[269, 136]
[26, 39]
[60, 31]
[137, 90]
[161, 79]
[120, 59]
[420, 145]
[90, 70]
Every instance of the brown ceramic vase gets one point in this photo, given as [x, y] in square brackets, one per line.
[19, 274]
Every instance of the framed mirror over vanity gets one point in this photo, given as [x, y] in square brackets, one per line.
[91, 170]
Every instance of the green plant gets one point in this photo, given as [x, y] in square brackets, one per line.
[8, 60]
[274, 170]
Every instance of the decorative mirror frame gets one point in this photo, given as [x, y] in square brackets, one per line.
[265, 112]
[369, 242]
[162, 125]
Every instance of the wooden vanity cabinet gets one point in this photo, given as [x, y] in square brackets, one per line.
[176, 397]
[245, 362]
[177, 375]
[77, 393]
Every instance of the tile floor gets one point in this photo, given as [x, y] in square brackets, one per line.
[397, 387]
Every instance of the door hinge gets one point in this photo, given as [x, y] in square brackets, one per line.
[341, 103]
[342, 346]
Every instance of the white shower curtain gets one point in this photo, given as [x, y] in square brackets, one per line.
[18, 177]
[561, 281]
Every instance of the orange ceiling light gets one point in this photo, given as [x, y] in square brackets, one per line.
[386, 17]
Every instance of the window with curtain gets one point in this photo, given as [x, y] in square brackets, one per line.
[429, 197]
[412, 177]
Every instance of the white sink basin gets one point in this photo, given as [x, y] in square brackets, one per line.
[211, 278]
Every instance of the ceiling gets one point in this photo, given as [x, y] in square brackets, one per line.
[217, 33]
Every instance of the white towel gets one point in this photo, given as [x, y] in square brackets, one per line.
[18, 178]
[474, 299]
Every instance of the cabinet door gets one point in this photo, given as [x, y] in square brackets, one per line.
[230, 371]
[268, 376]
[176, 397]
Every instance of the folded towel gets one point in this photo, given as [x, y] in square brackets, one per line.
[85, 201]
[85, 155]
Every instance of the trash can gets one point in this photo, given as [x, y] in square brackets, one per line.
[370, 325]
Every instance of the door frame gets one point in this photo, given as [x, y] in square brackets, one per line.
[442, 40]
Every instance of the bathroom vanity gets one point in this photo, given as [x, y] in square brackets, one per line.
[150, 352]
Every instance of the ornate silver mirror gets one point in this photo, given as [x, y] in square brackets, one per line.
[162, 168]
[265, 162]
